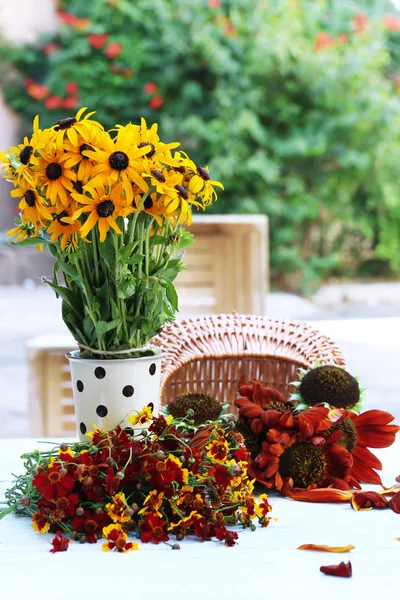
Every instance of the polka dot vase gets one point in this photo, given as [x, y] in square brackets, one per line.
[106, 392]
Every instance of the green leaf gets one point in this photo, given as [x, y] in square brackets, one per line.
[68, 297]
[156, 240]
[126, 288]
[171, 294]
[7, 511]
[31, 241]
[107, 251]
[127, 250]
[103, 327]
[70, 270]
[135, 259]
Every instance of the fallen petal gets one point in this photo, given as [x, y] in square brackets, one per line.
[318, 548]
[321, 495]
[394, 503]
[340, 570]
[368, 500]
[398, 478]
[391, 491]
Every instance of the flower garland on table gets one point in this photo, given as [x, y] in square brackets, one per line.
[154, 485]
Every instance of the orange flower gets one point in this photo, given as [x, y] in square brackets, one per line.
[369, 429]
[262, 407]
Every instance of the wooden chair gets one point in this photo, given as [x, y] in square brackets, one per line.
[210, 354]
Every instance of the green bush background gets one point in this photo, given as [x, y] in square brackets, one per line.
[307, 134]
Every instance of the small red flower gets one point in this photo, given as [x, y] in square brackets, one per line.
[150, 88]
[343, 38]
[60, 543]
[222, 475]
[51, 47]
[153, 529]
[341, 570]
[391, 22]
[360, 22]
[38, 91]
[97, 40]
[51, 484]
[323, 40]
[71, 102]
[214, 3]
[53, 102]
[66, 18]
[113, 482]
[90, 524]
[71, 87]
[113, 49]
[156, 102]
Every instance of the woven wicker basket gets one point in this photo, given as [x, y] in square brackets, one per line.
[213, 354]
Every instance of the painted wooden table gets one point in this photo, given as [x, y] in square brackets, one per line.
[265, 563]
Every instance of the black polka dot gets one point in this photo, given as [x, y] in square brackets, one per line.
[100, 372]
[128, 391]
[82, 427]
[152, 368]
[129, 430]
[79, 385]
[102, 410]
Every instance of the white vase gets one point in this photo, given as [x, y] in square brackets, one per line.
[106, 392]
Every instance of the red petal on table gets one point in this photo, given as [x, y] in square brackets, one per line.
[340, 570]
[368, 500]
[391, 491]
[394, 503]
[322, 495]
[318, 548]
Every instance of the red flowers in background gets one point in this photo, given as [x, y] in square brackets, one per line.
[391, 22]
[113, 49]
[97, 40]
[150, 88]
[156, 102]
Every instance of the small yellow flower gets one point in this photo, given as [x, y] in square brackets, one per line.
[169, 419]
[152, 503]
[68, 451]
[117, 509]
[141, 417]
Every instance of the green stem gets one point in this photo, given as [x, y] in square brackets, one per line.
[132, 225]
[120, 301]
[96, 258]
[88, 307]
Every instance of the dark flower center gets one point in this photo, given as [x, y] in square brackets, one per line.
[279, 406]
[148, 203]
[61, 216]
[25, 155]
[151, 151]
[105, 209]
[204, 174]
[158, 175]
[78, 186]
[304, 463]
[54, 477]
[180, 169]
[53, 171]
[349, 434]
[118, 161]
[65, 123]
[30, 198]
[182, 191]
[84, 147]
[330, 384]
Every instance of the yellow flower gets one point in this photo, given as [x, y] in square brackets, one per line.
[152, 206]
[262, 507]
[113, 527]
[116, 159]
[142, 137]
[54, 176]
[104, 207]
[22, 231]
[218, 449]
[141, 417]
[152, 503]
[68, 231]
[169, 419]
[72, 127]
[200, 183]
[186, 522]
[32, 205]
[117, 509]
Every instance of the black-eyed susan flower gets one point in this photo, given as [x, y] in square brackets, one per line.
[200, 183]
[21, 231]
[117, 160]
[74, 158]
[148, 138]
[104, 206]
[52, 175]
[152, 206]
[67, 231]
[73, 128]
[32, 205]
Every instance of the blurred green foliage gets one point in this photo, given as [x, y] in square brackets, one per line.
[294, 104]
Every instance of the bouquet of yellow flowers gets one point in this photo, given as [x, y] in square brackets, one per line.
[110, 207]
